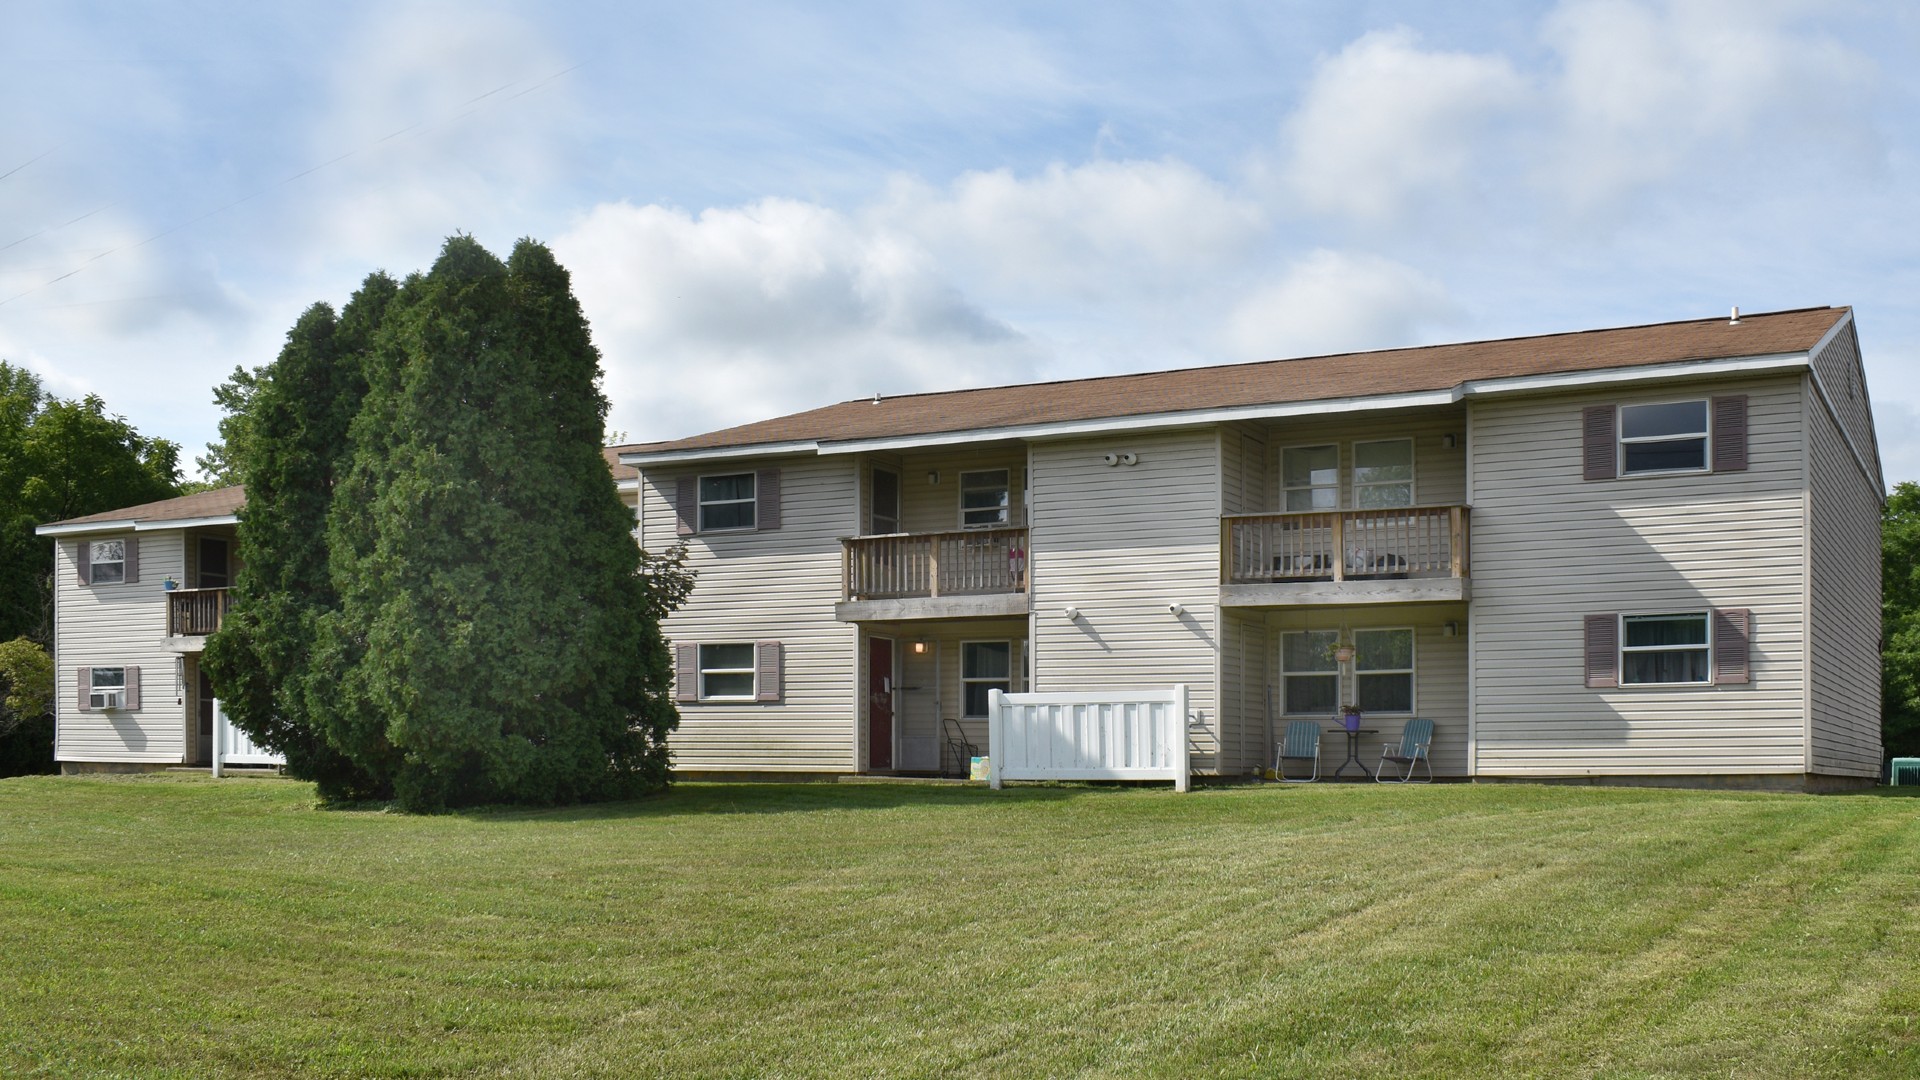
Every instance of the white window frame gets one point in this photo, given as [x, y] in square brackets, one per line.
[1412, 481]
[751, 671]
[119, 564]
[1621, 441]
[1706, 619]
[966, 680]
[702, 502]
[1335, 487]
[106, 697]
[1411, 671]
[1338, 676]
[1005, 508]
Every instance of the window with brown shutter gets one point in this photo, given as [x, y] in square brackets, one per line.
[83, 562]
[767, 499]
[686, 505]
[1598, 453]
[1603, 650]
[133, 559]
[1730, 433]
[133, 687]
[1732, 637]
[686, 673]
[767, 671]
[84, 677]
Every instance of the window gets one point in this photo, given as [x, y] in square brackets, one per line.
[1310, 476]
[107, 560]
[1383, 474]
[214, 567]
[1383, 670]
[108, 688]
[726, 502]
[884, 518]
[985, 666]
[726, 672]
[1670, 437]
[1664, 649]
[1310, 680]
[983, 499]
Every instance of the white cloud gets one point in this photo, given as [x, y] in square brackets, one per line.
[1384, 122]
[1648, 90]
[1334, 302]
[1102, 230]
[743, 313]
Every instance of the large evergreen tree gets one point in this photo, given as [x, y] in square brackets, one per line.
[286, 438]
[492, 630]
[1900, 622]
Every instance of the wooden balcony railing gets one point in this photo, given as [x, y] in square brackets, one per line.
[1347, 545]
[195, 612]
[968, 562]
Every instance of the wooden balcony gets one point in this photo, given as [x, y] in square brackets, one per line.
[976, 572]
[195, 612]
[1415, 553]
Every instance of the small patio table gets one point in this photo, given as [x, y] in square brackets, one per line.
[1353, 749]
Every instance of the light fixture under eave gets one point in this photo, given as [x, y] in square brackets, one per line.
[933, 476]
[920, 648]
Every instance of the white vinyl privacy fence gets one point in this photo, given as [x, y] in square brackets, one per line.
[231, 746]
[1124, 735]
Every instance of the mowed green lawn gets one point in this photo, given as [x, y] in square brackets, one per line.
[188, 927]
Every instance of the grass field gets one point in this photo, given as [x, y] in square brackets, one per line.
[188, 927]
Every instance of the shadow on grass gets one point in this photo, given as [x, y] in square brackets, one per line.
[696, 798]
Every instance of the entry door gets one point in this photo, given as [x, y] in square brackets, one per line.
[879, 703]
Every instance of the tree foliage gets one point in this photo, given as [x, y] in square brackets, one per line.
[485, 629]
[1900, 621]
[61, 459]
[26, 680]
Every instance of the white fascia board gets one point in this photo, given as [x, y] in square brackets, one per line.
[674, 457]
[1572, 380]
[132, 523]
[1100, 425]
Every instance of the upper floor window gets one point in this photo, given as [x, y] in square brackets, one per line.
[107, 560]
[215, 566]
[984, 498]
[1310, 477]
[883, 516]
[1664, 649]
[726, 502]
[1668, 437]
[1383, 474]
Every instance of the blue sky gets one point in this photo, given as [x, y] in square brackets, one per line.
[767, 208]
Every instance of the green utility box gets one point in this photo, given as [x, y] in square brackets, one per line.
[1904, 771]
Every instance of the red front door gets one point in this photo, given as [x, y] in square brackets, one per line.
[879, 703]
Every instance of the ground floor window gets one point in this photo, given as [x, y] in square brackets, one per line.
[1664, 649]
[985, 666]
[108, 689]
[1310, 677]
[1383, 670]
[726, 672]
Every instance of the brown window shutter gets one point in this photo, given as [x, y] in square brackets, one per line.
[686, 506]
[1603, 650]
[1730, 433]
[1732, 631]
[133, 687]
[133, 559]
[686, 673]
[766, 499]
[86, 685]
[767, 671]
[1598, 453]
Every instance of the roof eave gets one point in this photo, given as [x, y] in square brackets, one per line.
[136, 524]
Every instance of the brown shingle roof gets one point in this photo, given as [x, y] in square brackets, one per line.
[1318, 378]
[219, 502]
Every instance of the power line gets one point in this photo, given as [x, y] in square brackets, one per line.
[474, 102]
[27, 162]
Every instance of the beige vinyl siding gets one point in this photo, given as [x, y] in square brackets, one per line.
[1838, 367]
[926, 508]
[1120, 543]
[1439, 472]
[1439, 678]
[1243, 469]
[1550, 548]
[1843, 593]
[119, 625]
[1244, 679]
[775, 585]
